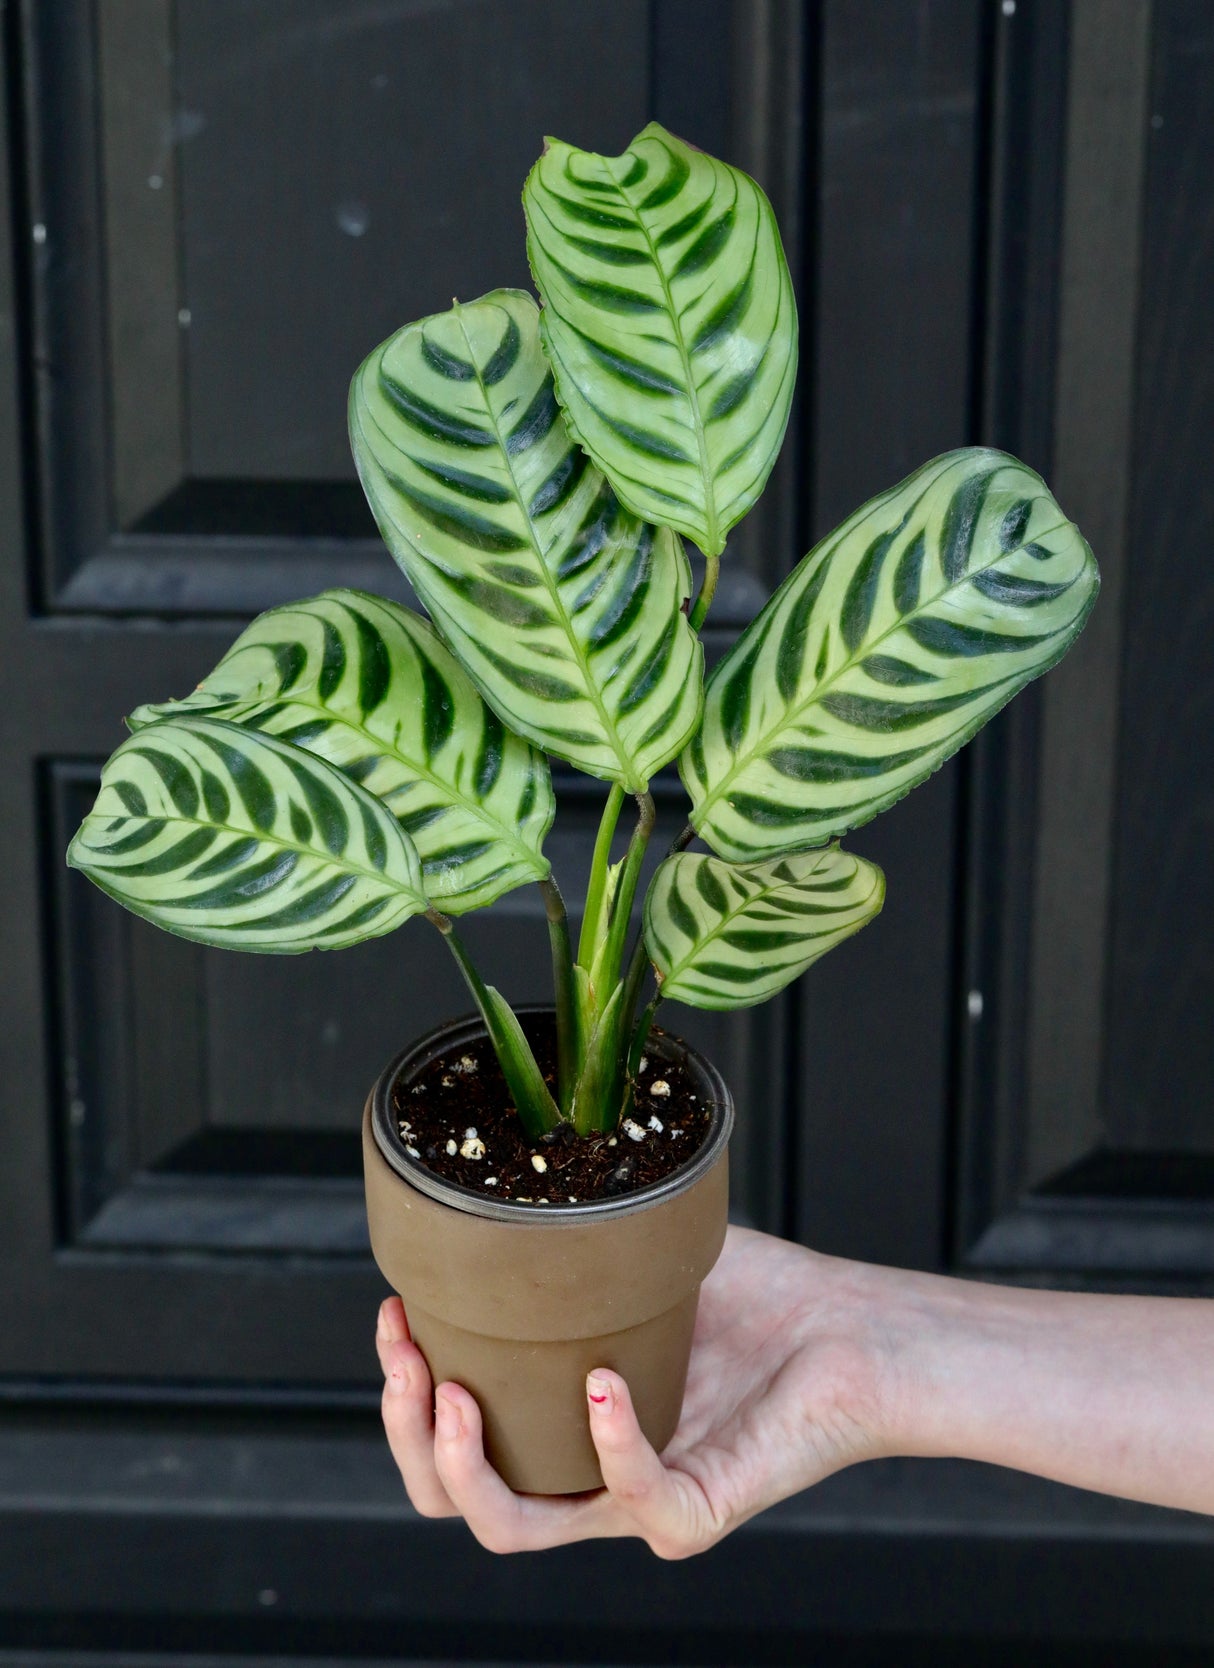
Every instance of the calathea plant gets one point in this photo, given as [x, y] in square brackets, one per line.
[534, 470]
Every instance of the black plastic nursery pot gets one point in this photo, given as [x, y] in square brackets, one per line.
[518, 1302]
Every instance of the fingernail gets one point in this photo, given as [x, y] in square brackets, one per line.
[447, 1418]
[599, 1392]
[398, 1378]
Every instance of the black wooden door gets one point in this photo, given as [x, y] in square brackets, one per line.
[1000, 222]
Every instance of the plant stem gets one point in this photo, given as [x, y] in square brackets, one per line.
[568, 1029]
[621, 915]
[641, 1034]
[636, 974]
[712, 572]
[463, 961]
[532, 1098]
[681, 841]
[596, 890]
[633, 980]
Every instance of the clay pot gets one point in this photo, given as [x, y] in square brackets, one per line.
[518, 1302]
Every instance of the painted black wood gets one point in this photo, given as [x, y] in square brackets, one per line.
[290, 1536]
[189, 1455]
[1087, 1135]
[1160, 1062]
[900, 149]
[154, 1044]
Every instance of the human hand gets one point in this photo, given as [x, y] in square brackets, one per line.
[783, 1389]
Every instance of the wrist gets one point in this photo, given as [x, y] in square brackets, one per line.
[857, 1370]
[959, 1360]
[911, 1344]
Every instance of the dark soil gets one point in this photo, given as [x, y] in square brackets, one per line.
[459, 1103]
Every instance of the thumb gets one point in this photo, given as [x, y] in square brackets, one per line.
[650, 1495]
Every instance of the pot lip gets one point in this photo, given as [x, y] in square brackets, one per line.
[457, 1032]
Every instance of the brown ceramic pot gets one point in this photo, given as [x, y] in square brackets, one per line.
[519, 1302]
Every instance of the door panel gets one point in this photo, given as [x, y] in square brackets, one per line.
[1089, 1145]
[273, 189]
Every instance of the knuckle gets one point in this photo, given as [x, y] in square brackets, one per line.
[457, 1475]
[616, 1442]
[495, 1539]
[632, 1491]
[426, 1504]
[672, 1550]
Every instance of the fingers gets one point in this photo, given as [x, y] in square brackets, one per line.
[501, 1520]
[391, 1327]
[437, 1440]
[406, 1409]
[665, 1507]
[437, 1443]
[495, 1515]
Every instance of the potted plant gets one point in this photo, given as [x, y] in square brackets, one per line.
[547, 1190]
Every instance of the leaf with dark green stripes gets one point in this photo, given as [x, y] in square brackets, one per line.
[565, 609]
[670, 323]
[369, 686]
[224, 835]
[728, 935]
[884, 651]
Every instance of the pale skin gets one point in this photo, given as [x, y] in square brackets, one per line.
[804, 1364]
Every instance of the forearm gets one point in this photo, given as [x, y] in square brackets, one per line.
[1108, 1393]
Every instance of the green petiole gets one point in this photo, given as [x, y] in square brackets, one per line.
[596, 890]
[712, 572]
[531, 1096]
[569, 1039]
[621, 917]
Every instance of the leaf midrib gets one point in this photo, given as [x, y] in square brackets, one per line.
[731, 915]
[287, 845]
[711, 530]
[632, 780]
[534, 860]
[792, 715]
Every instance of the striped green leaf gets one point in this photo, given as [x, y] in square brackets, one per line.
[369, 686]
[728, 935]
[564, 608]
[884, 651]
[229, 837]
[670, 322]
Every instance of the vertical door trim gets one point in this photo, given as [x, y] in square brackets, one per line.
[1102, 220]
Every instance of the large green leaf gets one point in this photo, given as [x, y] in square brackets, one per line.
[884, 651]
[369, 686]
[564, 608]
[670, 322]
[728, 935]
[226, 836]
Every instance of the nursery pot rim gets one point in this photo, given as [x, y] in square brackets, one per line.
[454, 1032]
